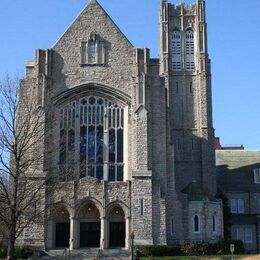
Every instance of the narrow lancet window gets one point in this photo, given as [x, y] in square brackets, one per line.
[141, 90]
[214, 228]
[189, 50]
[141, 207]
[196, 224]
[176, 50]
[92, 52]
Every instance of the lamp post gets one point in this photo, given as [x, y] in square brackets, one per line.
[132, 236]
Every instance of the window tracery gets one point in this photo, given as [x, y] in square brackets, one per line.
[98, 131]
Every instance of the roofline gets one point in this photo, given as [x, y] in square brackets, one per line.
[91, 2]
[247, 150]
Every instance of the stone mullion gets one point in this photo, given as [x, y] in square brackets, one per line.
[87, 133]
[95, 124]
[106, 140]
[116, 163]
[77, 143]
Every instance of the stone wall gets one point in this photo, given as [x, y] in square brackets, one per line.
[116, 72]
[205, 210]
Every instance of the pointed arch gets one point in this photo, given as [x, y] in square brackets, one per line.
[119, 203]
[83, 202]
[189, 50]
[176, 50]
[196, 224]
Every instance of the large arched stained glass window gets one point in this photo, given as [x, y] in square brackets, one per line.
[189, 50]
[96, 140]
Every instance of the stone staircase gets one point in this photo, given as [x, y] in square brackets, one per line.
[84, 254]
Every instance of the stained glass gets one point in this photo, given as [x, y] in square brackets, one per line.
[90, 112]
[120, 150]
[99, 173]
[112, 174]
[120, 173]
[91, 144]
[83, 143]
[62, 146]
[91, 171]
[99, 144]
[71, 140]
[111, 145]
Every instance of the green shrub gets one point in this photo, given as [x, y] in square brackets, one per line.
[158, 250]
[3, 253]
[191, 249]
[194, 249]
[23, 252]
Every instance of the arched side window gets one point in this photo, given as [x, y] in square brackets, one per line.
[176, 50]
[214, 224]
[172, 226]
[97, 133]
[92, 51]
[196, 224]
[189, 50]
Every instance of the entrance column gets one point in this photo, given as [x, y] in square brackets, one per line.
[73, 233]
[103, 235]
[127, 232]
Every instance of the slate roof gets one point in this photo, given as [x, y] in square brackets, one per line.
[235, 170]
[196, 193]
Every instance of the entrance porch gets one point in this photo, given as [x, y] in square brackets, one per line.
[88, 229]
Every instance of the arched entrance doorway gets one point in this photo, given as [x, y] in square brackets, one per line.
[62, 227]
[117, 234]
[89, 219]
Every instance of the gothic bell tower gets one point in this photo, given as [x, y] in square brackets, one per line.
[185, 66]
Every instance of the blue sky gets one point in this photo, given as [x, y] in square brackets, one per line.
[234, 48]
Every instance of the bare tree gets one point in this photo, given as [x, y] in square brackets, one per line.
[22, 182]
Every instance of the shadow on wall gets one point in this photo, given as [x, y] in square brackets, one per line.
[240, 179]
[194, 158]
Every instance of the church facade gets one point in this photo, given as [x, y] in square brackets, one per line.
[132, 136]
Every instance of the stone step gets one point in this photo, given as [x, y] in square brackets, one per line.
[84, 254]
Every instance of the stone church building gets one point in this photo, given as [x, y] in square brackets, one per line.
[132, 135]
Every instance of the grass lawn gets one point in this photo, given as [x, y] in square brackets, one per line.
[227, 257]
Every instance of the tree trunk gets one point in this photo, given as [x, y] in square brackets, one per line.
[11, 248]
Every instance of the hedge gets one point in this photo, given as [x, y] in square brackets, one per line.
[20, 252]
[191, 249]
